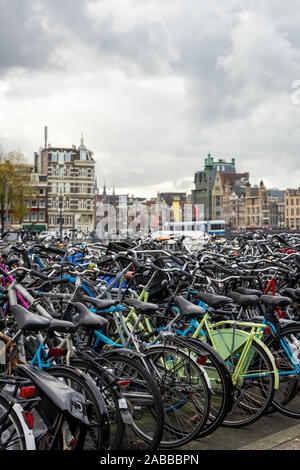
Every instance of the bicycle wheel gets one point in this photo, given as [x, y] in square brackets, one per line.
[221, 399]
[97, 436]
[254, 390]
[111, 397]
[12, 434]
[287, 356]
[143, 399]
[185, 392]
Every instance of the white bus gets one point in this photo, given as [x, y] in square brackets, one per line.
[212, 227]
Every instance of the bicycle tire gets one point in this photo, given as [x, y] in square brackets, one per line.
[143, 398]
[222, 394]
[82, 383]
[10, 425]
[191, 397]
[255, 403]
[287, 398]
[117, 426]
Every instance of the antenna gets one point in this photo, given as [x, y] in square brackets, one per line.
[46, 136]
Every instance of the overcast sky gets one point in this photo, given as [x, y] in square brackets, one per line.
[154, 85]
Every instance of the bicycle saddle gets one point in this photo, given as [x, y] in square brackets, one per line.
[213, 300]
[101, 304]
[88, 319]
[142, 306]
[27, 320]
[62, 325]
[275, 300]
[188, 309]
[244, 300]
[243, 290]
[291, 293]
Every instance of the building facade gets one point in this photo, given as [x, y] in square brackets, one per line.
[228, 198]
[37, 218]
[204, 181]
[292, 208]
[71, 186]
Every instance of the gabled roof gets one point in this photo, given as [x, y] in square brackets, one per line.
[232, 178]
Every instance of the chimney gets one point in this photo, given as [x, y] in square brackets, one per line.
[36, 161]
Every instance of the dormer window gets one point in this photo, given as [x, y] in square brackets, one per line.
[82, 155]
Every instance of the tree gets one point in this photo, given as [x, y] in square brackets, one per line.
[15, 184]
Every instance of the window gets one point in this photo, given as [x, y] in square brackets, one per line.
[54, 156]
[68, 157]
[42, 192]
[42, 215]
[34, 216]
[82, 155]
[82, 204]
[61, 172]
[61, 157]
[41, 203]
[53, 188]
[83, 172]
[68, 188]
[60, 187]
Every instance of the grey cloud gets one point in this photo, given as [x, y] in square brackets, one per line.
[23, 40]
[236, 77]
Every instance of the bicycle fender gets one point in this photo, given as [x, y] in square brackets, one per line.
[271, 357]
[123, 350]
[28, 433]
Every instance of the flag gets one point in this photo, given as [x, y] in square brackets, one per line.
[196, 213]
[176, 208]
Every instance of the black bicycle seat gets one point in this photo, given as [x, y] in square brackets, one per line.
[213, 300]
[188, 309]
[27, 320]
[244, 300]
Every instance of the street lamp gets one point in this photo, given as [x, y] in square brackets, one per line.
[6, 206]
[74, 198]
[60, 213]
